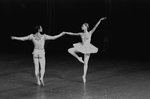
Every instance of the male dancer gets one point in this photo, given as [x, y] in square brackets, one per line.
[38, 40]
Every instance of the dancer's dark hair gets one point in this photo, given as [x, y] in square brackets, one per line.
[38, 26]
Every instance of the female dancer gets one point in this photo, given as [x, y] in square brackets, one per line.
[85, 47]
[38, 40]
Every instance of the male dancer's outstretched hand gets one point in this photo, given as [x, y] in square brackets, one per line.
[63, 33]
[12, 37]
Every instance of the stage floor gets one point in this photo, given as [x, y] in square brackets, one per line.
[107, 78]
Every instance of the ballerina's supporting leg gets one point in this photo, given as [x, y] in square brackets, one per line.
[42, 64]
[86, 59]
[73, 51]
[36, 64]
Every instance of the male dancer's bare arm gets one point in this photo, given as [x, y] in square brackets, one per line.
[48, 37]
[92, 31]
[20, 38]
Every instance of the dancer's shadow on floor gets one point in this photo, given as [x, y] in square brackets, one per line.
[101, 75]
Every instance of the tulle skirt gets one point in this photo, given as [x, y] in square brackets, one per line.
[85, 49]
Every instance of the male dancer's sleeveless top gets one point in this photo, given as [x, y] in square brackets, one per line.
[39, 42]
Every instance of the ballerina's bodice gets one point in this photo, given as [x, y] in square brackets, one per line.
[86, 38]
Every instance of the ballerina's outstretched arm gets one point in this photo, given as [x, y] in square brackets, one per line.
[92, 31]
[70, 33]
[21, 38]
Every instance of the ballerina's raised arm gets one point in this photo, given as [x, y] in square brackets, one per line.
[92, 31]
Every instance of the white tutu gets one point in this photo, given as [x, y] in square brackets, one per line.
[88, 48]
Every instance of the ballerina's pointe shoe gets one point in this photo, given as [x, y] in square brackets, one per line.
[84, 79]
[80, 59]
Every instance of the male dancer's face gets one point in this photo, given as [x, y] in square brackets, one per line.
[40, 29]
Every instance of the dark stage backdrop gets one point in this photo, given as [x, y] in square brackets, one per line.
[126, 29]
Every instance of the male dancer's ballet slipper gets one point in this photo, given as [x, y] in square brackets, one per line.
[38, 82]
[42, 82]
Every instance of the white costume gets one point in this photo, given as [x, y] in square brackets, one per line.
[39, 42]
[38, 52]
[89, 48]
[86, 46]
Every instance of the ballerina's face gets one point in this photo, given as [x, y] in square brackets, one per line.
[85, 26]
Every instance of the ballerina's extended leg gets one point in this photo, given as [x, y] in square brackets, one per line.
[72, 51]
[86, 59]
